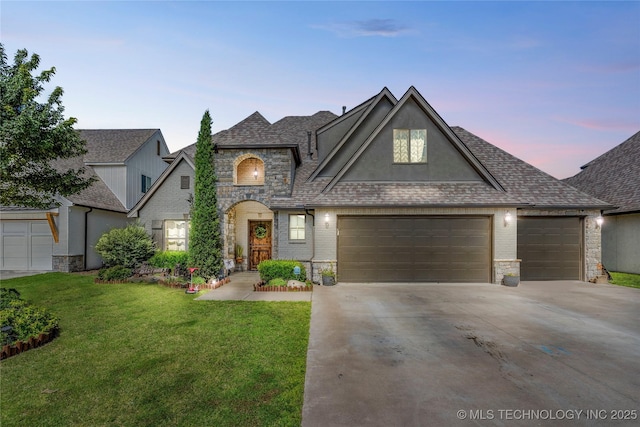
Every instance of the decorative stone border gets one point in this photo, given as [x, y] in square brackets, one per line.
[33, 342]
[264, 288]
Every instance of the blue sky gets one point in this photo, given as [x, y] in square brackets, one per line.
[554, 83]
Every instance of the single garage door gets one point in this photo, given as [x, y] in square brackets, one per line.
[550, 248]
[414, 249]
[25, 245]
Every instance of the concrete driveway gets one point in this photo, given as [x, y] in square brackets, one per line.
[544, 353]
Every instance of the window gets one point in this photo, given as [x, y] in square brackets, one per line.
[409, 145]
[158, 147]
[146, 183]
[176, 233]
[296, 227]
[184, 182]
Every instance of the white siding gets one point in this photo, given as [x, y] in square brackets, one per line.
[145, 161]
[115, 177]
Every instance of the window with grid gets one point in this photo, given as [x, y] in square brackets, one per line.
[409, 145]
[296, 227]
[176, 233]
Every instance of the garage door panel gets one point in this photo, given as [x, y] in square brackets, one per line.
[550, 248]
[414, 249]
[26, 245]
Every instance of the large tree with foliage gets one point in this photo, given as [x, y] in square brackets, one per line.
[205, 242]
[33, 135]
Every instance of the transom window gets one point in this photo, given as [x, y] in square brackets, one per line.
[409, 145]
[176, 234]
[296, 227]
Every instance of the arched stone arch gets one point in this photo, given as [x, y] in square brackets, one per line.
[248, 169]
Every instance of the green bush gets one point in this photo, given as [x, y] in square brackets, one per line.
[129, 246]
[117, 272]
[277, 282]
[25, 321]
[8, 295]
[169, 259]
[281, 269]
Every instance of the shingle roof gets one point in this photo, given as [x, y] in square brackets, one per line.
[524, 185]
[98, 195]
[614, 176]
[113, 145]
[524, 181]
[256, 130]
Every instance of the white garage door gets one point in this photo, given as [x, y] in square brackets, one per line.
[25, 245]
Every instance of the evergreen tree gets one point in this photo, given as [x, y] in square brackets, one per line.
[205, 242]
[33, 136]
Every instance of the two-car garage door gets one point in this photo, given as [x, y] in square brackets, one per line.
[414, 249]
[25, 245]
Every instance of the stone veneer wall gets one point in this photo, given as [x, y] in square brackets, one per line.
[68, 263]
[503, 267]
[277, 164]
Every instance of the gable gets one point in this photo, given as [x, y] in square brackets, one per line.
[444, 163]
[354, 140]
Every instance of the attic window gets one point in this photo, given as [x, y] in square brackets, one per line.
[409, 145]
[158, 147]
[184, 182]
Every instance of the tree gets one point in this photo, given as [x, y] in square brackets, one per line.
[33, 136]
[205, 243]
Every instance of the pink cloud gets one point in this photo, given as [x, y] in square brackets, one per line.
[602, 124]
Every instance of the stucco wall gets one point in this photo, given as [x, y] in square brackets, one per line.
[621, 243]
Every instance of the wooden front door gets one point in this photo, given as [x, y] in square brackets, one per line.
[259, 242]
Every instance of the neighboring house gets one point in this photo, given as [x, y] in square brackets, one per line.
[385, 192]
[615, 178]
[125, 163]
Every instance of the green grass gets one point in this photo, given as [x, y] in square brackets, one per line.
[148, 355]
[626, 279]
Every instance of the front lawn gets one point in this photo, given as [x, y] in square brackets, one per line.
[626, 279]
[148, 355]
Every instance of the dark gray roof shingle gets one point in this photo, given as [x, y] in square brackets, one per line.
[524, 185]
[614, 176]
[113, 145]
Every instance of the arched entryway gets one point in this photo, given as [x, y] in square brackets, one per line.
[250, 225]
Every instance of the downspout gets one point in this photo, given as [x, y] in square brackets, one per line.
[313, 239]
[86, 239]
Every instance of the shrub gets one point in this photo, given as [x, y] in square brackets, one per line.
[282, 269]
[277, 282]
[117, 272]
[129, 246]
[8, 295]
[169, 259]
[198, 281]
[25, 321]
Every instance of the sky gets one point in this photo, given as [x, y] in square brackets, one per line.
[554, 83]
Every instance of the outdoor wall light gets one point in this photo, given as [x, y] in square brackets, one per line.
[599, 220]
[326, 220]
[507, 218]
[255, 172]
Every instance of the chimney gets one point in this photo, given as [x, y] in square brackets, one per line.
[309, 144]
[344, 109]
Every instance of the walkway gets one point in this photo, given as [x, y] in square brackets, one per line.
[241, 289]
